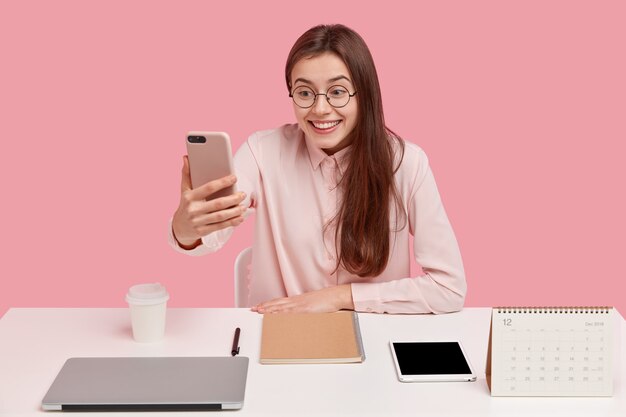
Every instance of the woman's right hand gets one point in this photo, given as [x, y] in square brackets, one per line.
[196, 217]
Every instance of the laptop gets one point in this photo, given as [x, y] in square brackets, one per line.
[149, 384]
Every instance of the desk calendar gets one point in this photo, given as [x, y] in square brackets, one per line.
[550, 351]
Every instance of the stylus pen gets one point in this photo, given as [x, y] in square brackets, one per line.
[235, 350]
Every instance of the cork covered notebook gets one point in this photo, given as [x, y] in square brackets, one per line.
[311, 338]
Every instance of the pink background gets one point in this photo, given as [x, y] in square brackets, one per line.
[519, 105]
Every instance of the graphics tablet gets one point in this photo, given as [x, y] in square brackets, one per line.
[431, 361]
[149, 384]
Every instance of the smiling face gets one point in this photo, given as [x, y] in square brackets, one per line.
[328, 127]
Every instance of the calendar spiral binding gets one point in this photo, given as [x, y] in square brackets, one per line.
[556, 310]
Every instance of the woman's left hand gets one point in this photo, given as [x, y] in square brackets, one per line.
[326, 300]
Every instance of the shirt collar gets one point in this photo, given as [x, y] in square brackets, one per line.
[317, 155]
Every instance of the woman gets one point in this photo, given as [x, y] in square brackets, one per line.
[336, 195]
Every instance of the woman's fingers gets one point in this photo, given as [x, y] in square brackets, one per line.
[218, 216]
[325, 300]
[205, 230]
[197, 217]
[211, 187]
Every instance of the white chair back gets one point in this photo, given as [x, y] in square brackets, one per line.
[243, 263]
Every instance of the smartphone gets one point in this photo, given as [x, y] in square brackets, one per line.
[431, 361]
[210, 158]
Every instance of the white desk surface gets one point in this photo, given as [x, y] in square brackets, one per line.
[34, 344]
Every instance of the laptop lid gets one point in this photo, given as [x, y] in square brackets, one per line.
[149, 384]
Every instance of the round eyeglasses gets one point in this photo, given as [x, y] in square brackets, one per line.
[337, 96]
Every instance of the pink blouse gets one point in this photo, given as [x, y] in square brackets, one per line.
[292, 186]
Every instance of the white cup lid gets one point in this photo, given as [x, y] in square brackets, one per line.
[147, 294]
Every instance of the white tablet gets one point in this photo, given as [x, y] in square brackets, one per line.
[431, 361]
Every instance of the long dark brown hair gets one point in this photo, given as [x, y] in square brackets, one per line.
[368, 187]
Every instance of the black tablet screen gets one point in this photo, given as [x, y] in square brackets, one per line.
[430, 358]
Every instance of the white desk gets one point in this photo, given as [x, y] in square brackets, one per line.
[34, 344]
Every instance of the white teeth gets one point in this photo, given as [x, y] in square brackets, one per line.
[325, 125]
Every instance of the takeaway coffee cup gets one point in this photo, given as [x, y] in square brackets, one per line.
[147, 304]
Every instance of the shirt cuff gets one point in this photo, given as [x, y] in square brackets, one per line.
[366, 297]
